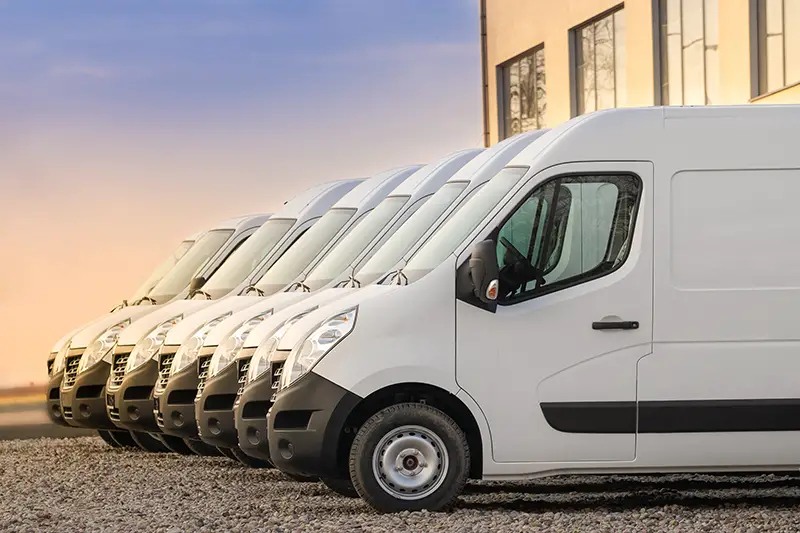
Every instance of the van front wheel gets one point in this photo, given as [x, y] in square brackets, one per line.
[409, 457]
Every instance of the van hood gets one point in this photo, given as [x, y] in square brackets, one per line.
[303, 327]
[88, 334]
[276, 302]
[265, 330]
[68, 337]
[208, 312]
[144, 325]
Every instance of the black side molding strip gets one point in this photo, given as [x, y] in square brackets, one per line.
[678, 416]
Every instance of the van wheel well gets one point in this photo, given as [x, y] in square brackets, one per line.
[412, 392]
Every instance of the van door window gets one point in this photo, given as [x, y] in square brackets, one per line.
[569, 230]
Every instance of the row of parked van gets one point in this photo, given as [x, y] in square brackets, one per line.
[582, 299]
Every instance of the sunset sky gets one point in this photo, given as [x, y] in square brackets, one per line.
[127, 125]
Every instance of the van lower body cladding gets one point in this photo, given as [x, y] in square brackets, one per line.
[174, 405]
[214, 408]
[130, 406]
[305, 425]
[250, 414]
[85, 400]
[54, 400]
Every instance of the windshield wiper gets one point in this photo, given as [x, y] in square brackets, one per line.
[199, 291]
[300, 286]
[252, 288]
[121, 306]
[145, 299]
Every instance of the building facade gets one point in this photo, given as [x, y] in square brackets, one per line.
[546, 61]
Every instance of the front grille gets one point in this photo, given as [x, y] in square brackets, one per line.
[67, 413]
[157, 412]
[113, 414]
[276, 371]
[118, 369]
[244, 366]
[164, 367]
[203, 363]
[71, 372]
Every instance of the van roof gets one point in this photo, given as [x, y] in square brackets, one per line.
[488, 163]
[242, 222]
[690, 136]
[373, 189]
[421, 181]
[318, 198]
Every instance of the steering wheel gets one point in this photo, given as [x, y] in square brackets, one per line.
[528, 270]
[518, 256]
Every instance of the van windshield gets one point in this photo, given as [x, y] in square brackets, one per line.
[302, 252]
[190, 265]
[248, 256]
[453, 232]
[393, 250]
[346, 251]
[161, 270]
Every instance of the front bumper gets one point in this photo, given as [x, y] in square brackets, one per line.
[54, 400]
[250, 412]
[173, 401]
[130, 405]
[83, 404]
[213, 407]
[305, 424]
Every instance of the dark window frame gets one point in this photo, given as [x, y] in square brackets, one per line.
[660, 12]
[575, 51]
[504, 93]
[761, 71]
[578, 279]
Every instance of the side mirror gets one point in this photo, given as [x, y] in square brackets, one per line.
[196, 284]
[484, 271]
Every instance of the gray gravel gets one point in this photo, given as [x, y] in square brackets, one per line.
[81, 484]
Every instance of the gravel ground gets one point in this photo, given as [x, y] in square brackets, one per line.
[81, 484]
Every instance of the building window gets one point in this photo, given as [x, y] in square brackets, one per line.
[523, 94]
[689, 52]
[778, 44]
[600, 63]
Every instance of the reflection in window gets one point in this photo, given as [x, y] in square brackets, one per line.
[524, 96]
[778, 44]
[600, 63]
[689, 52]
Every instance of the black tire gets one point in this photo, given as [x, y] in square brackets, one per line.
[148, 443]
[123, 438]
[227, 452]
[175, 444]
[342, 487]
[199, 447]
[246, 460]
[422, 424]
[108, 439]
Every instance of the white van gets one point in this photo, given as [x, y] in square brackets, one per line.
[618, 299]
[262, 249]
[95, 342]
[140, 364]
[217, 391]
[55, 369]
[263, 370]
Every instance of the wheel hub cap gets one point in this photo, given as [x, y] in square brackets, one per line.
[410, 462]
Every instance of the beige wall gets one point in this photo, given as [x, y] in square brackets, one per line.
[514, 26]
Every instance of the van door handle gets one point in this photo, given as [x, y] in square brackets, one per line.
[615, 324]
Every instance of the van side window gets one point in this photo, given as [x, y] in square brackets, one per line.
[569, 230]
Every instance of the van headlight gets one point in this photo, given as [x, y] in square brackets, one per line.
[189, 350]
[259, 365]
[61, 358]
[226, 352]
[148, 347]
[102, 346]
[308, 353]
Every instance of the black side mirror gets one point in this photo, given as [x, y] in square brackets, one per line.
[196, 284]
[484, 271]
